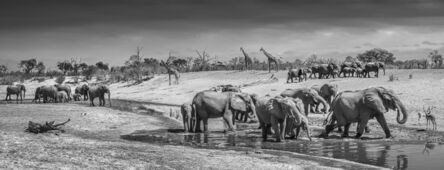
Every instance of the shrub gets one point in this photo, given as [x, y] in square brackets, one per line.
[410, 76]
[60, 79]
[9, 80]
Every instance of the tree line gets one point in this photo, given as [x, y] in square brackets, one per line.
[138, 68]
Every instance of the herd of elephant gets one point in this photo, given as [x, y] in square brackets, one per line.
[287, 113]
[346, 69]
[61, 93]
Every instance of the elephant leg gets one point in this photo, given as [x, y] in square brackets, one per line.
[275, 125]
[306, 106]
[264, 131]
[283, 124]
[228, 116]
[361, 127]
[381, 120]
[346, 129]
[298, 129]
[92, 101]
[197, 125]
[245, 117]
[205, 123]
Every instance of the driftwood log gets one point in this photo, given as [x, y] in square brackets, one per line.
[42, 128]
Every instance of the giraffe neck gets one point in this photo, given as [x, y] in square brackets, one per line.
[269, 56]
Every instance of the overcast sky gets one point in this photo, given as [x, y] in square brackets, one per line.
[110, 30]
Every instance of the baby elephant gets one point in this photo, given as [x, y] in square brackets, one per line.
[76, 97]
[188, 120]
[62, 96]
[283, 114]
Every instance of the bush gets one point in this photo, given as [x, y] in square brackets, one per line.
[60, 79]
[410, 76]
[9, 80]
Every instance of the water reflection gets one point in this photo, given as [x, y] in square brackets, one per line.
[397, 156]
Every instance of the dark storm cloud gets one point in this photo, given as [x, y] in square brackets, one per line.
[35, 14]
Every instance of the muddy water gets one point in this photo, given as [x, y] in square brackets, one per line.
[383, 154]
[414, 155]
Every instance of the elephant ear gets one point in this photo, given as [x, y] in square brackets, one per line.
[239, 101]
[374, 99]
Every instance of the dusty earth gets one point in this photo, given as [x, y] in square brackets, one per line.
[93, 140]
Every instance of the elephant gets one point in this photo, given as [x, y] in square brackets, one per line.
[314, 69]
[333, 70]
[62, 97]
[82, 90]
[229, 88]
[359, 72]
[292, 73]
[373, 67]
[210, 104]
[17, 90]
[186, 110]
[347, 71]
[76, 97]
[65, 88]
[38, 95]
[325, 70]
[47, 93]
[362, 105]
[308, 97]
[300, 74]
[99, 91]
[327, 91]
[283, 114]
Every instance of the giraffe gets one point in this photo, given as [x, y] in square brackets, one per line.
[271, 59]
[170, 71]
[248, 60]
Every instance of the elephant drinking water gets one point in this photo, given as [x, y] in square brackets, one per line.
[210, 104]
[362, 105]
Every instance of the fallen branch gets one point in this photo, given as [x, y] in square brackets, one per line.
[42, 128]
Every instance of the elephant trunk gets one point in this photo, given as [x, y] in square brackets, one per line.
[401, 107]
[253, 109]
[324, 103]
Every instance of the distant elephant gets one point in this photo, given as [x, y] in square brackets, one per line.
[76, 97]
[325, 70]
[48, 93]
[359, 72]
[308, 97]
[283, 114]
[333, 70]
[230, 88]
[210, 104]
[62, 97]
[373, 67]
[66, 88]
[347, 71]
[82, 90]
[99, 91]
[292, 74]
[38, 95]
[362, 105]
[17, 90]
[314, 69]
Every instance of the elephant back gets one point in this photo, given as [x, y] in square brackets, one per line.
[238, 101]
